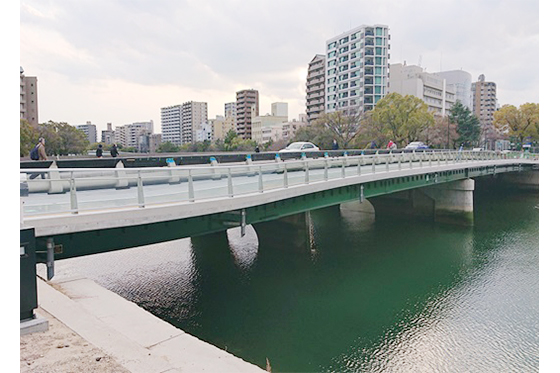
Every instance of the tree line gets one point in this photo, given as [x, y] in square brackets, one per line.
[404, 119]
[397, 118]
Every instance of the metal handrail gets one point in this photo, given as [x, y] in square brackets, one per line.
[280, 174]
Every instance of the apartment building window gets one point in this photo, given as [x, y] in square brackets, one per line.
[332, 45]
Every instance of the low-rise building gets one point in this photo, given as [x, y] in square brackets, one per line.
[269, 127]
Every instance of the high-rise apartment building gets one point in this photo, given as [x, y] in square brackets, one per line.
[485, 103]
[180, 124]
[357, 69]
[247, 104]
[28, 106]
[90, 130]
[315, 88]
[430, 88]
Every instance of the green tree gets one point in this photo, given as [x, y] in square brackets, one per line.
[316, 133]
[519, 123]
[399, 118]
[342, 126]
[468, 125]
[167, 147]
[28, 137]
[72, 140]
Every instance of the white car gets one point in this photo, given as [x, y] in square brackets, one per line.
[301, 146]
[417, 145]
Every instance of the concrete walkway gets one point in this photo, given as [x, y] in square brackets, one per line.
[129, 335]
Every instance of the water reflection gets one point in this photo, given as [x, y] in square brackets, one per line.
[244, 249]
[359, 217]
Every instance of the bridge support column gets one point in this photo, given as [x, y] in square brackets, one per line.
[294, 232]
[528, 180]
[452, 202]
[443, 203]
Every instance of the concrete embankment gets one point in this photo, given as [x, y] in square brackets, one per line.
[127, 337]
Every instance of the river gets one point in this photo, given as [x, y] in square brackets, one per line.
[369, 295]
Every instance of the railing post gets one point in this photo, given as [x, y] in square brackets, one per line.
[140, 187]
[285, 176]
[229, 183]
[73, 196]
[306, 171]
[326, 175]
[191, 187]
[343, 168]
[261, 185]
[360, 166]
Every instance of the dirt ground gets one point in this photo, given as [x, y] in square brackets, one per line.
[59, 350]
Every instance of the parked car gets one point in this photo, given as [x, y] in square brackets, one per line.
[300, 146]
[417, 145]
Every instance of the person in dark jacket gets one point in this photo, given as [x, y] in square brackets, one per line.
[114, 151]
[99, 151]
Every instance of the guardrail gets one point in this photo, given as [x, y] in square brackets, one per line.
[76, 190]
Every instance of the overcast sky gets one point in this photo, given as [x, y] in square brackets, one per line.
[121, 61]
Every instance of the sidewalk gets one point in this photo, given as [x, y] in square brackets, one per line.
[94, 330]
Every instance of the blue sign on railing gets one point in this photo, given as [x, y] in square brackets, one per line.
[169, 160]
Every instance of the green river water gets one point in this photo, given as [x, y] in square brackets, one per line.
[385, 295]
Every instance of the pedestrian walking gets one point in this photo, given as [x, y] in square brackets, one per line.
[114, 151]
[38, 153]
[334, 145]
[99, 151]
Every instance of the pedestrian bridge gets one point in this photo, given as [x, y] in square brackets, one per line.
[82, 211]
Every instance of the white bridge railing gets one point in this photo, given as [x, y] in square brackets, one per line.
[79, 190]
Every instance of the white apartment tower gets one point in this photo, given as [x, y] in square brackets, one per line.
[357, 71]
[180, 123]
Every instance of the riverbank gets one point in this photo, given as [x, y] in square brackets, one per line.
[94, 330]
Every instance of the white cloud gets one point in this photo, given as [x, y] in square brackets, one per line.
[121, 61]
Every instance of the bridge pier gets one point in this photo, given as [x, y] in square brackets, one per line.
[450, 203]
[290, 233]
[528, 180]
